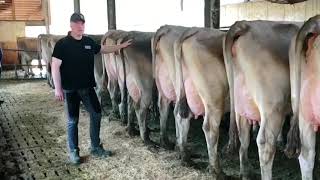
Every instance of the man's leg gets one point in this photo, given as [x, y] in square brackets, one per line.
[91, 102]
[72, 102]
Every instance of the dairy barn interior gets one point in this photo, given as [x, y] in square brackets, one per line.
[212, 89]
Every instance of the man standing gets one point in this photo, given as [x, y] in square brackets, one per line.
[73, 76]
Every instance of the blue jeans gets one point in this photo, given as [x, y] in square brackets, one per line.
[72, 104]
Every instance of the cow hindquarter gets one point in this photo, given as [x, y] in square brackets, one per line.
[206, 86]
[262, 87]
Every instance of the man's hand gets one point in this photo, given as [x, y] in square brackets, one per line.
[114, 48]
[58, 94]
[126, 44]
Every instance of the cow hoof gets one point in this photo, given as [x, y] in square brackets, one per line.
[230, 149]
[152, 146]
[217, 175]
[167, 145]
[249, 176]
[113, 116]
[185, 157]
[280, 145]
[124, 123]
[188, 163]
[132, 132]
[148, 142]
[292, 152]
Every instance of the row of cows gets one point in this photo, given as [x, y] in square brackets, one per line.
[259, 71]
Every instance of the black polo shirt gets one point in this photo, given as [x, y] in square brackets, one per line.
[77, 68]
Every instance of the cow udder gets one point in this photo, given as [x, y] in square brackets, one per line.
[244, 104]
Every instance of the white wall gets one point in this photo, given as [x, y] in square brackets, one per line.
[95, 14]
[142, 15]
[131, 15]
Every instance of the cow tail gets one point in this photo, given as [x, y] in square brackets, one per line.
[182, 104]
[154, 43]
[235, 31]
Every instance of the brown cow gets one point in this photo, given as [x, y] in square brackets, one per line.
[164, 73]
[131, 70]
[202, 79]
[114, 82]
[257, 64]
[138, 79]
[28, 50]
[304, 71]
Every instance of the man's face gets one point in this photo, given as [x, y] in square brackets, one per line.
[77, 27]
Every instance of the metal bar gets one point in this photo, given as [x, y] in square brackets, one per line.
[8, 65]
[111, 7]
[76, 4]
[8, 49]
[15, 71]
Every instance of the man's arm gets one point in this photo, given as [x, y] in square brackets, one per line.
[55, 69]
[110, 49]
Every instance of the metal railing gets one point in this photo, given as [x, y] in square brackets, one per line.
[17, 71]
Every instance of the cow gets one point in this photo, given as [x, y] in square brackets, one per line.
[164, 74]
[257, 62]
[304, 78]
[114, 83]
[202, 80]
[138, 78]
[131, 71]
[27, 51]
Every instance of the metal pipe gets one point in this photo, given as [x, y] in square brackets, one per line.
[76, 4]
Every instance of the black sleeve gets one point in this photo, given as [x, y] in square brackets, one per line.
[58, 50]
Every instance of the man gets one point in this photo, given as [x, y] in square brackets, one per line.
[73, 76]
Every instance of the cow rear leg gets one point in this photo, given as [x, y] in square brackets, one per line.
[233, 143]
[280, 142]
[31, 73]
[142, 114]
[164, 106]
[308, 144]
[244, 137]
[130, 126]
[210, 128]
[49, 76]
[123, 106]
[113, 89]
[271, 124]
[183, 125]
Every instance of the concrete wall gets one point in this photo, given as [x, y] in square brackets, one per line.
[9, 31]
[268, 11]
